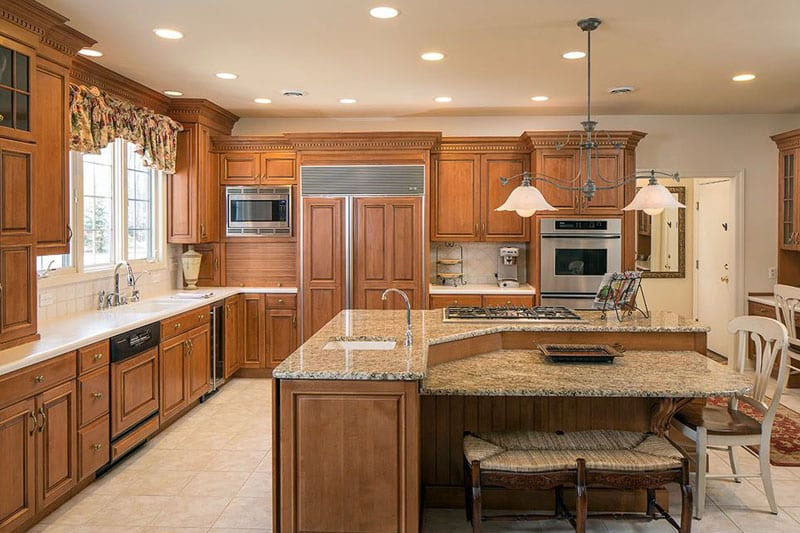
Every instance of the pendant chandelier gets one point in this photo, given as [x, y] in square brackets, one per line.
[526, 199]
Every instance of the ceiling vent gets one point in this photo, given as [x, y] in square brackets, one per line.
[296, 93]
[622, 90]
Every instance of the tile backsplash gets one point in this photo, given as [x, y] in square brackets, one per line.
[480, 260]
[57, 300]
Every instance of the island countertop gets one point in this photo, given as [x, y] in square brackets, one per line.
[313, 361]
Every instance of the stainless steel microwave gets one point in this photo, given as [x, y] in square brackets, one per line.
[258, 211]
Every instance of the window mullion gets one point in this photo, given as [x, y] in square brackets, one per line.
[120, 202]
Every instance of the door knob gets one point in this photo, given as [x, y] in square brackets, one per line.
[724, 279]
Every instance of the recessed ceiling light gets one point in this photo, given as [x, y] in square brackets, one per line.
[347, 100]
[540, 98]
[226, 75]
[625, 89]
[89, 52]
[575, 54]
[167, 33]
[744, 77]
[384, 12]
[432, 56]
[443, 99]
[173, 93]
[262, 100]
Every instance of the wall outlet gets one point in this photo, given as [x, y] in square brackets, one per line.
[772, 272]
[46, 298]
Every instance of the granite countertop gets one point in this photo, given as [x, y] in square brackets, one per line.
[311, 361]
[76, 331]
[657, 374]
[481, 288]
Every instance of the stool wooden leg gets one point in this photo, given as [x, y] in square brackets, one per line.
[559, 501]
[582, 503]
[686, 498]
[467, 490]
[651, 503]
[476, 497]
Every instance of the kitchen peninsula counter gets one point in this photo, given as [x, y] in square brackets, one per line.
[382, 429]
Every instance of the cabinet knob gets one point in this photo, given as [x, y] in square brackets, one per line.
[508, 302]
[96, 447]
[280, 300]
[177, 325]
[97, 395]
[39, 379]
[97, 356]
[2, 116]
[455, 302]
[201, 317]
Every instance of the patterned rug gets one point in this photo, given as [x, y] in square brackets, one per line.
[785, 449]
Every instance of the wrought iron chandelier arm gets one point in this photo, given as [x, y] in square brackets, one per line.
[559, 184]
[651, 175]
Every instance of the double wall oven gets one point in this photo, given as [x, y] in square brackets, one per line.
[575, 254]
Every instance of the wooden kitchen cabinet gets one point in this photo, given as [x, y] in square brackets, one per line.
[438, 301]
[173, 369]
[788, 144]
[281, 331]
[251, 168]
[135, 385]
[17, 88]
[18, 433]
[254, 338]
[56, 443]
[198, 371]
[210, 274]
[466, 190]
[51, 129]
[233, 334]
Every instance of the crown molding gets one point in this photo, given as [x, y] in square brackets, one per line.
[48, 25]
[629, 139]
[202, 111]
[251, 143]
[360, 141]
[482, 144]
[86, 72]
[787, 139]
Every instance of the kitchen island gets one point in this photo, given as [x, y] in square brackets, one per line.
[366, 431]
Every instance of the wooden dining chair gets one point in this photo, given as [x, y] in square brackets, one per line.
[728, 427]
[787, 311]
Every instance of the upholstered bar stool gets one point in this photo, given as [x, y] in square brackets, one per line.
[583, 459]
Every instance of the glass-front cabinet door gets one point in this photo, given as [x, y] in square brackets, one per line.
[16, 66]
[790, 233]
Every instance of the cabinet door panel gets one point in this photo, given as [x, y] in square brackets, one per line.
[254, 347]
[173, 377]
[18, 296]
[18, 464]
[233, 334]
[456, 199]
[182, 200]
[57, 464]
[210, 274]
[606, 166]
[277, 170]
[16, 186]
[788, 198]
[282, 334]
[135, 389]
[199, 369]
[502, 225]
[559, 165]
[239, 168]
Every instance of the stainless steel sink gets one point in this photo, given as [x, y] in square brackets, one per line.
[360, 343]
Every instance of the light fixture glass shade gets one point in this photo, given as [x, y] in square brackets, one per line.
[526, 200]
[653, 199]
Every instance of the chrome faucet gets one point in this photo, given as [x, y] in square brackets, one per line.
[115, 298]
[407, 339]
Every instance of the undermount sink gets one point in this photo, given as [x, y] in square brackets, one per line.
[360, 343]
[147, 307]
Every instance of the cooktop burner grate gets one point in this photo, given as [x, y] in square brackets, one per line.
[533, 314]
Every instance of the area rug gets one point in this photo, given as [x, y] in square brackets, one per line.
[785, 449]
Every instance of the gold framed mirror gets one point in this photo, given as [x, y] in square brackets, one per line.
[661, 241]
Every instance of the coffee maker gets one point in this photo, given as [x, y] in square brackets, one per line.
[507, 270]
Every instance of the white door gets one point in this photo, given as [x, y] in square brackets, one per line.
[715, 301]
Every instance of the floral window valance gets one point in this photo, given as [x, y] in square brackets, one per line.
[97, 118]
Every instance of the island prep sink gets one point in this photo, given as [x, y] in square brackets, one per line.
[360, 343]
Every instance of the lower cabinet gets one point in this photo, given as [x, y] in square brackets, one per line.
[281, 334]
[57, 451]
[233, 334]
[18, 434]
[253, 338]
[270, 330]
[184, 370]
[136, 386]
[438, 301]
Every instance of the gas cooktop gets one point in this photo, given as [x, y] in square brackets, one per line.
[509, 314]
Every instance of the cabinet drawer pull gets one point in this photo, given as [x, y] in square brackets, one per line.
[39, 379]
[201, 317]
[35, 422]
[508, 302]
[177, 325]
[455, 302]
[44, 419]
[96, 447]
[98, 356]
[280, 300]
[97, 395]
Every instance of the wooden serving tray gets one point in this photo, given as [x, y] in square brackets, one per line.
[579, 353]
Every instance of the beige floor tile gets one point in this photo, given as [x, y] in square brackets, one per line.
[247, 513]
[63, 528]
[234, 461]
[156, 482]
[249, 440]
[220, 484]
[265, 466]
[165, 529]
[727, 494]
[258, 485]
[77, 510]
[191, 511]
[762, 522]
[203, 439]
[237, 530]
[129, 511]
[787, 491]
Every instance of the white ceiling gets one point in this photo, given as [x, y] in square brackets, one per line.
[680, 54]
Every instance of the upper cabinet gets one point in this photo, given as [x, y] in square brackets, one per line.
[249, 168]
[466, 191]
[788, 191]
[17, 67]
[192, 192]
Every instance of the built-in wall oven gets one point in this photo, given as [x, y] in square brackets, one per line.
[575, 253]
[258, 211]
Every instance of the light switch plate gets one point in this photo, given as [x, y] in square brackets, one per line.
[772, 273]
[46, 298]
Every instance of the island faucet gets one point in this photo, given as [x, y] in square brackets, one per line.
[407, 339]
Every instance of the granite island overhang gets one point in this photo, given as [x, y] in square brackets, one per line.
[361, 434]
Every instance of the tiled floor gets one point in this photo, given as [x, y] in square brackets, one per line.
[211, 472]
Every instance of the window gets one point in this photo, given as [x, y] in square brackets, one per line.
[119, 200]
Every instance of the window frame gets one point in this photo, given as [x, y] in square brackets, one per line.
[77, 267]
